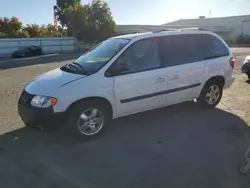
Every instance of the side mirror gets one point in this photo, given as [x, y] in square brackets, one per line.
[117, 67]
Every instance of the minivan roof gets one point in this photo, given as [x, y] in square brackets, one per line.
[129, 36]
[163, 33]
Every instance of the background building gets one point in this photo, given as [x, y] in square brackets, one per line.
[229, 28]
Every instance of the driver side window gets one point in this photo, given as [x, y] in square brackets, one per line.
[140, 56]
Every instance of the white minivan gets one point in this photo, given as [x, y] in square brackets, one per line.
[129, 74]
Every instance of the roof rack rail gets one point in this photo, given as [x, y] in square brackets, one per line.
[164, 29]
[191, 28]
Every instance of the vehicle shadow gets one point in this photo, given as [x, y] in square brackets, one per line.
[176, 146]
[44, 59]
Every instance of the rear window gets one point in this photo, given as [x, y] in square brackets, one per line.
[188, 48]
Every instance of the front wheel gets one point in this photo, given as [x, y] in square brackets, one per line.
[210, 95]
[88, 119]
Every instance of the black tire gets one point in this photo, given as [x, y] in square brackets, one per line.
[203, 100]
[248, 75]
[76, 111]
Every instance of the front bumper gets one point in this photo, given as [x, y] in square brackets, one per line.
[38, 117]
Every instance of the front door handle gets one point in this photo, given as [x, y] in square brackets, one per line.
[160, 79]
[175, 77]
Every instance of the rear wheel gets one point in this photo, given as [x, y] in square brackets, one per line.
[88, 119]
[210, 95]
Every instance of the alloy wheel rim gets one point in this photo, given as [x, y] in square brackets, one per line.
[90, 121]
[213, 94]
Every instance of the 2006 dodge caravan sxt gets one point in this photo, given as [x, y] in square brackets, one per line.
[128, 74]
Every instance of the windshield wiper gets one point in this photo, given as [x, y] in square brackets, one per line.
[67, 69]
[72, 68]
[76, 68]
[75, 64]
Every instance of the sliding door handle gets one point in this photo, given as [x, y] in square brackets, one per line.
[175, 77]
[160, 79]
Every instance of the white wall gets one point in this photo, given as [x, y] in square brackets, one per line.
[246, 30]
[49, 45]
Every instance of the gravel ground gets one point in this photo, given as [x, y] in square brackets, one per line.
[177, 146]
[236, 99]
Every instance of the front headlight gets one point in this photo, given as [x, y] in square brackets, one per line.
[43, 101]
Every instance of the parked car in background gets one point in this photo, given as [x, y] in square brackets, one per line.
[246, 67]
[27, 51]
[129, 74]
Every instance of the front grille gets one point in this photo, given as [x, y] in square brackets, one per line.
[26, 97]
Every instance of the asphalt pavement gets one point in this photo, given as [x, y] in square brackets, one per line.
[176, 146]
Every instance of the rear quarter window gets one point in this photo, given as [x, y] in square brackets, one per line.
[189, 48]
[211, 47]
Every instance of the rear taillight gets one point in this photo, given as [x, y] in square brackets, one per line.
[232, 62]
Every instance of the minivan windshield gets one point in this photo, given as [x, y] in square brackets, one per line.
[97, 57]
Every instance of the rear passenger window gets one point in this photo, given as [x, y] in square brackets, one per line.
[188, 48]
[179, 49]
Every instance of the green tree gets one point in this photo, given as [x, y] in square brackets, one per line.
[62, 32]
[43, 30]
[91, 22]
[10, 27]
[23, 34]
[33, 30]
[77, 20]
[51, 31]
[63, 6]
[100, 20]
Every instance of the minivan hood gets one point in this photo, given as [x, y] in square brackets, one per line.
[50, 81]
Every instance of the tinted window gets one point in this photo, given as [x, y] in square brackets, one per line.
[212, 47]
[181, 49]
[141, 55]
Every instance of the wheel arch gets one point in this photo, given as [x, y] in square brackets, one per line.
[102, 100]
[220, 79]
